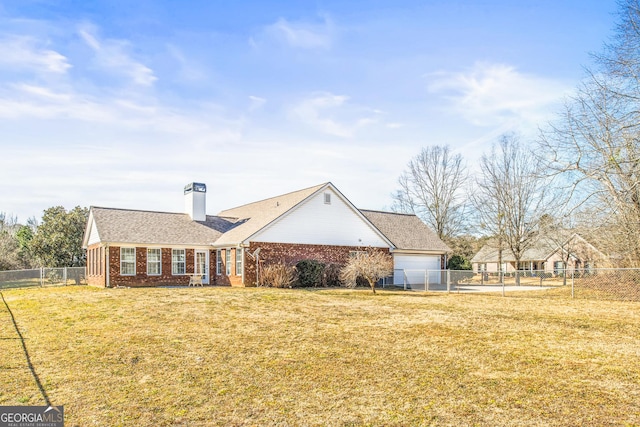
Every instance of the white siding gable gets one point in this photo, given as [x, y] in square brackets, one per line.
[94, 237]
[316, 222]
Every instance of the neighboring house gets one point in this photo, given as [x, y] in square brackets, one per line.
[143, 248]
[545, 254]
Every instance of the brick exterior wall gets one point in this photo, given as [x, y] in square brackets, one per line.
[141, 279]
[269, 253]
[235, 278]
[292, 253]
[96, 266]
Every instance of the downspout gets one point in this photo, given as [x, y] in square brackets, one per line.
[243, 268]
[107, 282]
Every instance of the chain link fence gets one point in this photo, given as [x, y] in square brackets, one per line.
[43, 277]
[601, 284]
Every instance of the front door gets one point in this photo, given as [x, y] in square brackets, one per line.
[202, 265]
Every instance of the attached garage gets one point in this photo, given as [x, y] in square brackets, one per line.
[418, 251]
[413, 268]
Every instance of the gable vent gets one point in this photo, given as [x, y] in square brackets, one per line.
[327, 198]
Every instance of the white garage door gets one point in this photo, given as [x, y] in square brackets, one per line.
[414, 268]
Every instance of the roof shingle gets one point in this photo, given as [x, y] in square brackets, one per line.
[406, 231]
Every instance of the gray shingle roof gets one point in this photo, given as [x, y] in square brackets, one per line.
[541, 249]
[233, 226]
[131, 226]
[406, 231]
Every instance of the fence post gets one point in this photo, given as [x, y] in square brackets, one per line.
[426, 280]
[572, 277]
[404, 279]
[448, 283]
[41, 277]
[64, 276]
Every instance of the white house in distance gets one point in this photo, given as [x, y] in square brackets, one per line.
[144, 248]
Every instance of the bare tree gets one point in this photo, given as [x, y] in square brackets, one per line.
[595, 141]
[432, 187]
[371, 265]
[510, 197]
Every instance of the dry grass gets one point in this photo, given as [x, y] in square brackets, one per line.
[222, 356]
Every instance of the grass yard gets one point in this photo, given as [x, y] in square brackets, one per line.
[223, 356]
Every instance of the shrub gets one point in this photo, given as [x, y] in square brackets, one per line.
[331, 276]
[277, 275]
[458, 262]
[310, 273]
[370, 265]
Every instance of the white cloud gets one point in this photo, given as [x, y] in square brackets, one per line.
[113, 55]
[498, 94]
[329, 113]
[301, 34]
[256, 102]
[25, 52]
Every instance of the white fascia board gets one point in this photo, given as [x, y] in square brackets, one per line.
[87, 230]
[417, 252]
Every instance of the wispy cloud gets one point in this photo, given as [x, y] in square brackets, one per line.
[114, 56]
[256, 102]
[188, 69]
[24, 52]
[496, 94]
[329, 113]
[300, 34]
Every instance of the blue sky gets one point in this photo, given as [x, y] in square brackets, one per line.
[121, 103]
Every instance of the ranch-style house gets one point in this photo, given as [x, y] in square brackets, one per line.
[143, 248]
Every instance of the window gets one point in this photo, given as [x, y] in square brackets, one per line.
[219, 262]
[327, 198]
[558, 267]
[127, 261]
[154, 261]
[238, 262]
[228, 261]
[178, 262]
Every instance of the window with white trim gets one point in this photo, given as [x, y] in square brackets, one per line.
[127, 261]
[239, 262]
[558, 267]
[219, 262]
[154, 261]
[228, 260]
[327, 198]
[178, 262]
